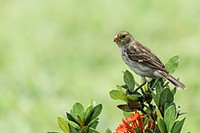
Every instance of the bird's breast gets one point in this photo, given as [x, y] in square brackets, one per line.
[138, 67]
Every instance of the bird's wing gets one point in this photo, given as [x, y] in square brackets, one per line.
[140, 53]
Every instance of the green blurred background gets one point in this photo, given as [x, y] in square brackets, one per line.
[55, 53]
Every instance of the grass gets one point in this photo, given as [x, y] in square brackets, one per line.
[54, 53]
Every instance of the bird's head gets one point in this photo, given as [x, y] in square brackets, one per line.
[123, 38]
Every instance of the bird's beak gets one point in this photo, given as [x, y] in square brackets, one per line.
[116, 38]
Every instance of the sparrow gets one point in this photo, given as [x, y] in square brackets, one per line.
[141, 60]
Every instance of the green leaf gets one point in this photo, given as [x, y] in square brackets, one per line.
[97, 111]
[156, 98]
[108, 130]
[73, 130]
[92, 102]
[118, 95]
[71, 118]
[174, 90]
[162, 126]
[78, 110]
[161, 123]
[133, 97]
[92, 113]
[89, 117]
[170, 104]
[159, 116]
[92, 130]
[158, 86]
[178, 126]
[172, 64]
[166, 96]
[85, 129]
[73, 124]
[63, 124]
[80, 121]
[148, 131]
[88, 114]
[129, 79]
[94, 123]
[118, 87]
[137, 130]
[170, 117]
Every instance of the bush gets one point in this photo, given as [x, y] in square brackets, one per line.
[149, 109]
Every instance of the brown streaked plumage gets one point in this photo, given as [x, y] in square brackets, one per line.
[141, 60]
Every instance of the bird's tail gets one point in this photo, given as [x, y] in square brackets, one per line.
[175, 82]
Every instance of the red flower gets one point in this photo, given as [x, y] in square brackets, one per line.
[151, 124]
[133, 121]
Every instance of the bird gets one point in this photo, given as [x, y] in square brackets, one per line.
[141, 60]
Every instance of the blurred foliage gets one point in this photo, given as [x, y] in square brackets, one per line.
[55, 52]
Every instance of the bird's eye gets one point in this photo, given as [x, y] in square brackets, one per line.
[123, 36]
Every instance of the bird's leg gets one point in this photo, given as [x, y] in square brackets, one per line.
[140, 86]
